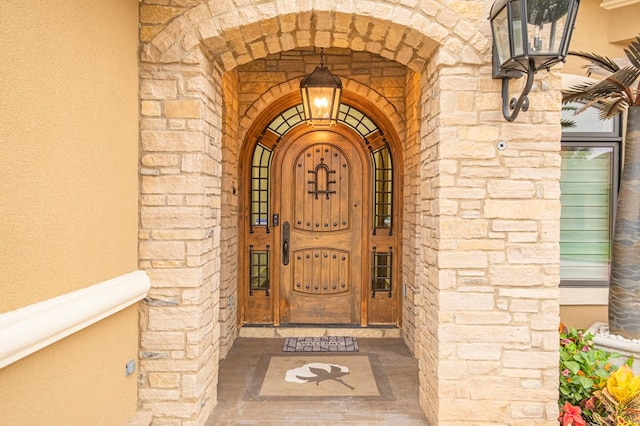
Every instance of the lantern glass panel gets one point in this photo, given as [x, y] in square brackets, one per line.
[547, 23]
[516, 28]
[321, 98]
[501, 35]
[321, 105]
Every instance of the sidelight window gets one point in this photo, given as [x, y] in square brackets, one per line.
[383, 189]
[260, 170]
[381, 272]
[258, 270]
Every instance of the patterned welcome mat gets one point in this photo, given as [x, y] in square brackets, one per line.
[324, 377]
[320, 344]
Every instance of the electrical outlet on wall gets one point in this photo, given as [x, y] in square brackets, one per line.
[231, 301]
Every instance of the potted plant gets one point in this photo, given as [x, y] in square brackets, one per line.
[619, 92]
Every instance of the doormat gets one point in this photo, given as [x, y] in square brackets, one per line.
[319, 377]
[320, 344]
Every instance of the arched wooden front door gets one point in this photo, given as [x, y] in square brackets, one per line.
[321, 197]
[320, 225]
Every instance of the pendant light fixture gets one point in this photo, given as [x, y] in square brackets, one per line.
[321, 92]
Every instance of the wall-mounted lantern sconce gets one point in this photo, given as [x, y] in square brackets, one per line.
[528, 35]
[321, 92]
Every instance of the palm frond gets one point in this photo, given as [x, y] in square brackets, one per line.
[611, 109]
[592, 92]
[626, 76]
[597, 60]
[611, 95]
[618, 90]
[574, 94]
[566, 123]
[633, 52]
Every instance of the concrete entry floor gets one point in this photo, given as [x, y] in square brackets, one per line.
[398, 403]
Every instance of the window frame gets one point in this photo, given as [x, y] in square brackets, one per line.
[612, 140]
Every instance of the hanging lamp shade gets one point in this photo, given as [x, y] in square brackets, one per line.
[321, 92]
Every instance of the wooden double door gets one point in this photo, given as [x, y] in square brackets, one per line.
[319, 245]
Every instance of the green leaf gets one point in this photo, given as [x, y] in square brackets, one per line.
[629, 362]
[580, 357]
[572, 366]
[586, 382]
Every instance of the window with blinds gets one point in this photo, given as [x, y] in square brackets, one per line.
[589, 186]
[586, 221]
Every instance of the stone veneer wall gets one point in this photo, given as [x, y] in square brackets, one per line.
[385, 77]
[427, 272]
[180, 218]
[491, 297]
[412, 300]
[229, 211]
[485, 248]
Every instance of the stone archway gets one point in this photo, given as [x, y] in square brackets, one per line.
[482, 249]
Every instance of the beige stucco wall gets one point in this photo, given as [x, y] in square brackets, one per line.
[68, 143]
[68, 191]
[622, 25]
[78, 381]
[583, 316]
[605, 32]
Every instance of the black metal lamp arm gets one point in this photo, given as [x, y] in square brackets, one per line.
[522, 102]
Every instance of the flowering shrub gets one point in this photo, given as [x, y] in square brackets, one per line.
[592, 391]
[583, 369]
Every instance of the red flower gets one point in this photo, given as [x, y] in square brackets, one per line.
[571, 416]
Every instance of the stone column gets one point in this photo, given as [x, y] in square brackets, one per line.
[180, 190]
[488, 345]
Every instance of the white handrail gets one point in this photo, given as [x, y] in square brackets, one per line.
[29, 329]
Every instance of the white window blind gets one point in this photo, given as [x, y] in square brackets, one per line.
[586, 218]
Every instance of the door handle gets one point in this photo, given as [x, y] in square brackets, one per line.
[285, 243]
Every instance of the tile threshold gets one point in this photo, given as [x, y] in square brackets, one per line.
[311, 331]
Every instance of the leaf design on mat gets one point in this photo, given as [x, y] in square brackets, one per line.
[318, 372]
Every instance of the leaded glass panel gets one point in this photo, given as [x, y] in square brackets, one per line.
[260, 171]
[381, 272]
[383, 189]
